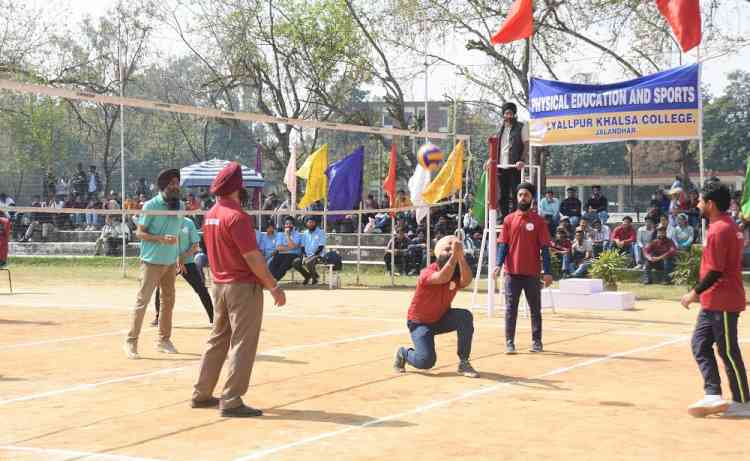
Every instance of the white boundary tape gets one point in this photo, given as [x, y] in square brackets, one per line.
[72, 454]
[212, 113]
[442, 403]
[119, 212]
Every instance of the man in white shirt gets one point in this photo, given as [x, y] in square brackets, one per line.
[643, 238]
[6, 200]
[600, 236]
[581, 254]
[549, 209]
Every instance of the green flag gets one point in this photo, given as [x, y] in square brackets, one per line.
[479, 200]
[745, 205]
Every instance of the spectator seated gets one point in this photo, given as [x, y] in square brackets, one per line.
[659, 255]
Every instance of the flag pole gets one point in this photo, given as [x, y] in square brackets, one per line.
[426, 82]
[293, 205]
[700, 138]
[393, 249]
[528, 94]
[122, 147]
[461, 173]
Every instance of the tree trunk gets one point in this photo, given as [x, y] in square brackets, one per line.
[685, 164]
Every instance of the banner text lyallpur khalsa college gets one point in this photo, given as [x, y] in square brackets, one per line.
[662, 106]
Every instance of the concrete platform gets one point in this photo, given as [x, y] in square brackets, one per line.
[606, 300]
[582, 286]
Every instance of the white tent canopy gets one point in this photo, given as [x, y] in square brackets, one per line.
[203, 173]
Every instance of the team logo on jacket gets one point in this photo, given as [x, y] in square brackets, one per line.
[529, 226]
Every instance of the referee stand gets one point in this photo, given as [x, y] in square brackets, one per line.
[491, 232]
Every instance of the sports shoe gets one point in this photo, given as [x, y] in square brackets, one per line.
[737, 410]
[708, 405]
[131, 350]
[510, 347]
[399, 361]
[166, 347]
[536, 347]
[155, 322]
[465, 368]
[243, 411]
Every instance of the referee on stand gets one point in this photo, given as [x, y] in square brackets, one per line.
[525, 234]
[722, 298]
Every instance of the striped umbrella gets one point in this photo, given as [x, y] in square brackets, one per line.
[203, 173]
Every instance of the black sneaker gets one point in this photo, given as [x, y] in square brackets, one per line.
[155, 322]
[399, 361]
[306, 281]
[314, 281]
[465, 368]
[243, 411]
[536, 347]
[510, 347]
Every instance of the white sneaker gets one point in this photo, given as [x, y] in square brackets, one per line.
[166, 347]
[737, 410]
[131, 350]
[708, 405]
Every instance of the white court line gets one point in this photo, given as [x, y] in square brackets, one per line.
[77, 338]
[83, 387]
[79, 306]
[441, 403]
[281, 350]
[71, 454]
[61, 340]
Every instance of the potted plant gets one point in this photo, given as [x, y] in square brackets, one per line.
[607, 267]
[688, 266]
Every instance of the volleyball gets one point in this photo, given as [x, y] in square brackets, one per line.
[430, 156]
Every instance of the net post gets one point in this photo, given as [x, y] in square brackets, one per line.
[491, 205]
[393, 249]
[359, 238]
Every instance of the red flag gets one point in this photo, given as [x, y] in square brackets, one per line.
[389, 186]
[685, 18]
[518, 24]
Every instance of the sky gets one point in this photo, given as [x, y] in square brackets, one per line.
[442, 79]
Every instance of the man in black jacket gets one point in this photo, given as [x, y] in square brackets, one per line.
[513, 148]
[571, 207]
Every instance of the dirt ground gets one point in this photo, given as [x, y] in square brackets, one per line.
[611, 385]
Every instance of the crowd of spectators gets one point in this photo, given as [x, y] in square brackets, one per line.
[580, 231]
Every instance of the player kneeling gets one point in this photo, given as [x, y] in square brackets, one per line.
[431, 314]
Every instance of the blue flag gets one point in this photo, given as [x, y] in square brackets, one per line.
[345, 182]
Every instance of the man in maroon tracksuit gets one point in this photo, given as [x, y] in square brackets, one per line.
[722, 298]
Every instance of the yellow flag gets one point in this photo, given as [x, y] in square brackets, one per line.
[314, 171]
[448, 181]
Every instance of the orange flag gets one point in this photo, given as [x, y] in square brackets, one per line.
[685, 18]
[518, 24]
[389, 185]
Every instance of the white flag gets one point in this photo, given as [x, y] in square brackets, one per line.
[290, 177]
[417, 184]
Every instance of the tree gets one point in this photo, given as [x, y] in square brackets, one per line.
[39, 137]
[122, 34]
[290, 58]
[726, 124]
